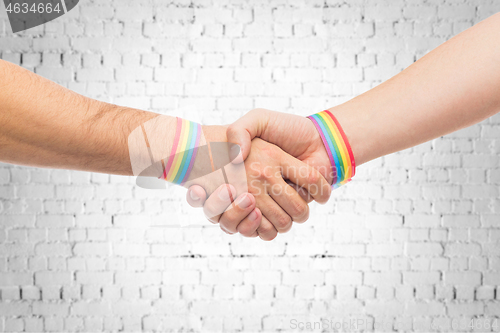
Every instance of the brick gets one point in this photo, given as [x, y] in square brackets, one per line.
[99, 278]
[262, 277]
[53, 249]
[49, 278]
[50, 309]
[140, 279]
[346, 250]
[461, 221]
[13, 44]
[390, 308]
[465, 309]
[382, 279]
[422, 221]
[485, 292]
[98, 249]
[343, 278]
[343, 14]
[424, 249]
[10, 293]
[132, 308]
[463, 250]
[93, 221]
[50, 44]
[462, 278]
[479, 191]
[55, 221]
[421, 278]
[15, 309]
[432, 308]
[387, 249]
[492, 278]
[464, 12]
[30, 292]
[55, 74]
[137, 221]
[91, 44]
[95, 74]
[93, 308]
[139, 13]
[35, 191]
[492, 309]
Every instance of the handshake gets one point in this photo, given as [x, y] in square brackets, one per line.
[287, 162]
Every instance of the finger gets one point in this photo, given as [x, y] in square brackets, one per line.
[266, 230]
[301, 191]
[243, 130]
[232, 217]
[248, 227]
[196, 196]
[281, 221]
[307, 177]
[289, 200]
[217, 203]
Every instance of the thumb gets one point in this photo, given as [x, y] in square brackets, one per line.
[196, 196]
[243, 130]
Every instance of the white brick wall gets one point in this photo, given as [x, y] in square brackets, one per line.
[413, 243]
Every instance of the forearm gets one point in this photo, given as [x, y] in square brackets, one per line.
[452, 87]
[44, 124]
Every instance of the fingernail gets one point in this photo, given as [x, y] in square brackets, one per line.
[253, 215]
[224, 194]
[244, 202]
[194, 196]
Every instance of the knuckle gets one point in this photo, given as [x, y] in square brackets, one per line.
[274, 152]
[245, 229]
[266, 230]
[269, 236]
[270, 151]
[301, 210]
[262, 172]
[283, 221]
[312, 177]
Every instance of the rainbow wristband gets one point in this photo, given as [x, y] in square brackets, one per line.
[183, 153]
[338, 148]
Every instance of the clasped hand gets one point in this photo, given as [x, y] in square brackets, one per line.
[287, 167]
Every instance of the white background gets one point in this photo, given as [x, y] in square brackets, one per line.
[413, 240]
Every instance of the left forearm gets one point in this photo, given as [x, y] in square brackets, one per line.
[44, 124]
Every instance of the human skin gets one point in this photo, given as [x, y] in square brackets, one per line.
[452, 87]
[43, 124]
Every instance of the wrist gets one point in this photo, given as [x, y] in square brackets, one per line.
[355, 127]
[336, 145]
[321, 163]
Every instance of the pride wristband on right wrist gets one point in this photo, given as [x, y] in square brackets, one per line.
[337, 146]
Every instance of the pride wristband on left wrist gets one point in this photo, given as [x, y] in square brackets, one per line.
[183, 153]
[337, 147]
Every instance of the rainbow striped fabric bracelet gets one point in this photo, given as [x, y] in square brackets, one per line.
[183, 153]
[338, 148]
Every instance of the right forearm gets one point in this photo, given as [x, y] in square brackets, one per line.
[454, 86]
